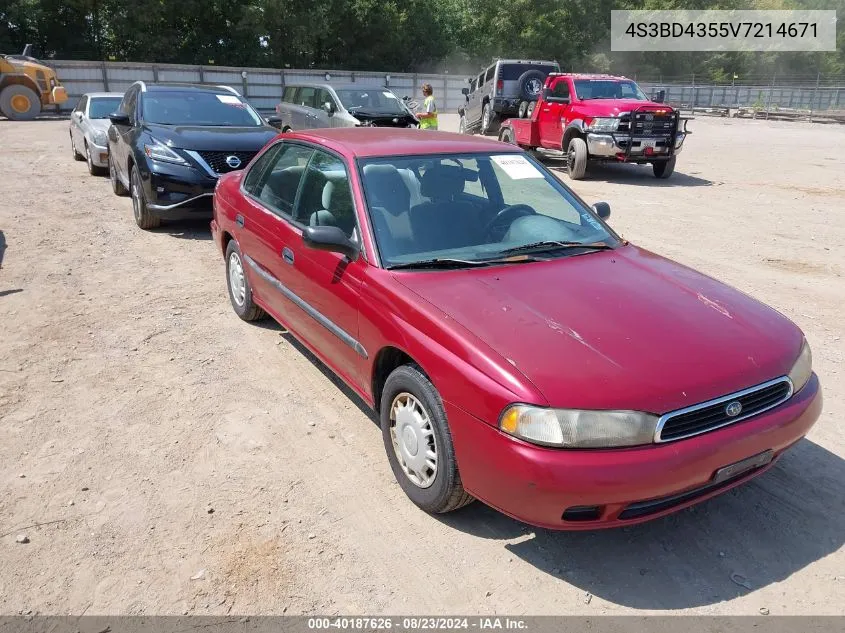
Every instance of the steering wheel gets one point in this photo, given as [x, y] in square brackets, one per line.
[504, 218]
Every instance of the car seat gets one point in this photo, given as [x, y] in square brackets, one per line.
[443, 221]
[389, 201]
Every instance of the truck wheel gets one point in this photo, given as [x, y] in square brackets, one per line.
[143, 218]
[531, 84]
[19, 103]
[462, 125]
[487, 116]
[523, 109]
[576, 158]
[664, 168]
[530, 109]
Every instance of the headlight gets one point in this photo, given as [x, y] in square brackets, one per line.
[570, 428]
[100, 138]
[160, 152]
[802, 369]
[604, 124]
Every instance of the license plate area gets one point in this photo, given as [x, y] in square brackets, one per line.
[744, 465]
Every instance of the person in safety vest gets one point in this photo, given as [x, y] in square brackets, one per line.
[428, 116]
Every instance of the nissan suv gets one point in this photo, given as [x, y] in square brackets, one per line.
[168, 144]
[505, 89]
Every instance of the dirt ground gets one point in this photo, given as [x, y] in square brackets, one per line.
[163, 457]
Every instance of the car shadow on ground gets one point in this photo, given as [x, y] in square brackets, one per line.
[2, 247]
[755, 535]
[186, 229]
[13, 291]
[632, 174]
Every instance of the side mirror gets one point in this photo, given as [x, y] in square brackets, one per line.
[328, 106]
[274, 120]
[659, 96]
[119, 118]
[329, 238]
[464, 91]
[602, 209]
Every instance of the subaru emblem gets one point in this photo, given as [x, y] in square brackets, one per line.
[733, 409]
[233, 161]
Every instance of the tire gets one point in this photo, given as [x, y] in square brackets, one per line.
[92, 168]
[523, 109]
[487, 120]
[576, 158]
[530, 109]
[240, 292]
[409, 396]
[19, 103]
[76, 155]
[462, 125]
[664, 168]
[531, 84]
[116, 186]
[143, 218]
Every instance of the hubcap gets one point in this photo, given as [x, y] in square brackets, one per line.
[136, 199]
[414, 442]
[237, 283]
[20, 103]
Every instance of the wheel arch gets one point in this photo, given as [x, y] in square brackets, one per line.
[19, 79]
[574, 128]
[386, 360]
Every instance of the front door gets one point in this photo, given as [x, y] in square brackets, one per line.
[551, 120]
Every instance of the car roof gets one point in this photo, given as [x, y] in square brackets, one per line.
[374, 141]
[528, 61]
[182, 87]
[590, 76]
[97, 95]
[337, 86]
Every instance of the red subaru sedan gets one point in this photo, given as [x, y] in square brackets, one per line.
[516, 349]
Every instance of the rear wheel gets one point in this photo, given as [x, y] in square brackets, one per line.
[240, 292]
[19, 103]
[143, 218]
[576, 158]
[418, 442]
[487, 119]
[116, 185]
[523, 109]
[664, 168]
[530, 110]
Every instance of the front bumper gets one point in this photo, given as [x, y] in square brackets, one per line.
[537, 485]
[178, 191]
[99, 154]
[607, 145]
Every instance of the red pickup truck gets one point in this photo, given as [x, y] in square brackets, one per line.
[600, 118]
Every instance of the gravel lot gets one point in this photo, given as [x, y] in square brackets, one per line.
[163, 457]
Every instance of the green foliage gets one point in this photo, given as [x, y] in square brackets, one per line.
[389, 35]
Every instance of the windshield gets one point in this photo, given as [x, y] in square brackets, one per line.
[374, 100]
[101, 107]
[608, 89]
[472, 207]
[198, 108]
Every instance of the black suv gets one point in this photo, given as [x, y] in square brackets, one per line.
[505, 89]
[168, 144]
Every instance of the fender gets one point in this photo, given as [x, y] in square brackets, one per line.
[575, 127]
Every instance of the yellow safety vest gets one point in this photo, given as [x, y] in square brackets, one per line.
[429, 123]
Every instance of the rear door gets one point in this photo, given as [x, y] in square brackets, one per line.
[327, 284]
[552, 114]
[270, 189]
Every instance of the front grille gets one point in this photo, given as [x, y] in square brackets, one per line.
[713, 415]
[217, 160]
[647, 124]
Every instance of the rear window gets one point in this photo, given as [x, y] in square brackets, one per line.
[512, 72]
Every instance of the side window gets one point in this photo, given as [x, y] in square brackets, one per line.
[307, 97]
[481, 80]
[80, 107]
[322, 97]
[473, 85]
[277, 184]
[561, 89]
[490, 72]
[289, 94]
[326, 198]
[257, 171]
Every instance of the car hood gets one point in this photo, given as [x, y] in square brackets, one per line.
[99, 124]
[613, 107]
[236, 139]
[620, 329]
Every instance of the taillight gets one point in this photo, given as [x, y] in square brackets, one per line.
[500, 85]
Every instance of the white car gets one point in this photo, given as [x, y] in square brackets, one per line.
[89, 126]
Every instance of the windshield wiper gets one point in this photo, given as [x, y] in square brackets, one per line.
[553, 245]
[441, 262]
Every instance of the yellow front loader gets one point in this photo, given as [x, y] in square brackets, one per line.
[27, 86]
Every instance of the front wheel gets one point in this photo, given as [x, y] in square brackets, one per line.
[487, 119]
[462, 125]
[19, 103]
[664, 168]
[143, 218]
[418, 442]
[576, 158]
[93, 169]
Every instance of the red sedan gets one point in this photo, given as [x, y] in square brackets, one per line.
[516, 349]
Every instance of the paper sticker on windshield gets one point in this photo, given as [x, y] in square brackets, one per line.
[230, 100]
[517, 167]
[388, 95]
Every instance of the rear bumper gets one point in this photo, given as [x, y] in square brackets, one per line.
[608, 146]
[627, 486]
[506, 106]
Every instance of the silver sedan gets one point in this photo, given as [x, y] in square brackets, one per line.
[89, 125]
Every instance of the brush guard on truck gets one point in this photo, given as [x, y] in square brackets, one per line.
[638, 116]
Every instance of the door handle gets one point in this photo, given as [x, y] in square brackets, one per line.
[287, 255]
[239, 220]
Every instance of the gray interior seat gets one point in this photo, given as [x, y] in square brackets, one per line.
[390, 202]
[444, 221]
